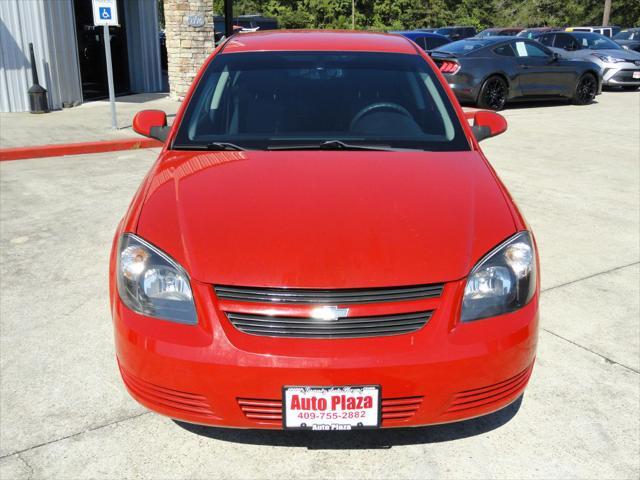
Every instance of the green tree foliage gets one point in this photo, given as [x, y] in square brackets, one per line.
[408, 14]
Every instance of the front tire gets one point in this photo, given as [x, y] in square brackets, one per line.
[586, 89]
[494, 93]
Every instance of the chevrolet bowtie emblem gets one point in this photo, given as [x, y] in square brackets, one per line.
[329, 313]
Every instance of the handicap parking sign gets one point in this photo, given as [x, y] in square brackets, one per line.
[105, 12]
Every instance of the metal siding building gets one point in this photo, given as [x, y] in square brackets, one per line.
[51, 25]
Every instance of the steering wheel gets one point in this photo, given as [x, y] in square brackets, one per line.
[378, 106]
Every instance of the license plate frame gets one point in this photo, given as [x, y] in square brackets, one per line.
[333, 424]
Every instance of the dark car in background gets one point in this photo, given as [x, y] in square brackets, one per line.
[629, 39]
[498, 32]
[489, 72]
[456, 33]
[426, 40]
[250, 22]
[619, 67]
[533, 32]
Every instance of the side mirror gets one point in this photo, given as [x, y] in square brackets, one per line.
[488, 124]
[151, 123]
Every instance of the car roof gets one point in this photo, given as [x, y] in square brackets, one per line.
[583, 33]
[593, 26]
[500, 29]
[418, 33]
[504, 38]
[318, 40]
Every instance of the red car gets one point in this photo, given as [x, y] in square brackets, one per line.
[322, 245]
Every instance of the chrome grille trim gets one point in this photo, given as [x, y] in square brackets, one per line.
[321, 296]
[298, 327]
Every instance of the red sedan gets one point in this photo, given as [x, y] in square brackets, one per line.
[322, 245]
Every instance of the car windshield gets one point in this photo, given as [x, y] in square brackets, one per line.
[488, 33]
[286, 99]
[595, 41]
[627, 36]
[462, 47]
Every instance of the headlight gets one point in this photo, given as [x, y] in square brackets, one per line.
[608, 58]
[152, 283]
[503, 281]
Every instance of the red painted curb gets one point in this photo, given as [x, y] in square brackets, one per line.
[58, 150]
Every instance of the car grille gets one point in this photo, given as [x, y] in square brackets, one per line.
[341, 296]
[400, 409]
[270, 411]
[186, 402]
[625, 76]
[480, 397]
[303, 327]
[261, 410]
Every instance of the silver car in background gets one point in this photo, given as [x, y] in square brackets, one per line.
[619, 67]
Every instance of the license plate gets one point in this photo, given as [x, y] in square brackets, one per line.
[636, 74]
[331, 408]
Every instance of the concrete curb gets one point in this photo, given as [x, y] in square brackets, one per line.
[58, 150]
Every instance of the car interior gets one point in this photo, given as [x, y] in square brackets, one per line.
[321, 100]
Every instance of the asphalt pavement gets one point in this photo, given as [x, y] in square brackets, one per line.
[64, 413]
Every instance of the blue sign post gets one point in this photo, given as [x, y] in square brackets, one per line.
[105, 13]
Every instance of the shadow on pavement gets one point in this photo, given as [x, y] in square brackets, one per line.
[619, 90]
[360, 439]
[142, 97]
[519, 105]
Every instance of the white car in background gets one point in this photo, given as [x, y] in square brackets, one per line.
[606, 31]
[619, 67]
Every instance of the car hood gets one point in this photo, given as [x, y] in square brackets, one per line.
[624, 54]
[629, 43]
[325, 219]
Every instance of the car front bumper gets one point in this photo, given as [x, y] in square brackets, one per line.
[213, 374]
[621, 74]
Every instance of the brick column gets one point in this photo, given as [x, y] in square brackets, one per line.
[189, 33]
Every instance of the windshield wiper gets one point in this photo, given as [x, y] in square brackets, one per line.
[224, 146]
[333, 145]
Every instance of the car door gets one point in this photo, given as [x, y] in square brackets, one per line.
[540, 75]
[564, 71]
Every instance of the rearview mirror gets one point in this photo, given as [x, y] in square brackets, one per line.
[151, 123]
[488, 124]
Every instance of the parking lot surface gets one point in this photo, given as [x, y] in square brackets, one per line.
[575, 173]
[89, 122]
